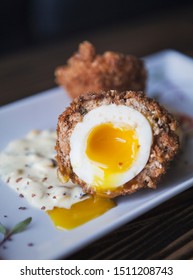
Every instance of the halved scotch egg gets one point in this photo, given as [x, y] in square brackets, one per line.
[115, 143]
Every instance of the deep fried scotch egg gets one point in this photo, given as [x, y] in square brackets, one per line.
[87, 71]
[115, 143]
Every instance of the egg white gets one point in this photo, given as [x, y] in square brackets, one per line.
[118, 115]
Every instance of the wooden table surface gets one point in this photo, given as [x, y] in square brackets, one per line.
[166, 232]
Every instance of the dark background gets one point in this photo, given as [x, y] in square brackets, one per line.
[30, 23]
[36, 36]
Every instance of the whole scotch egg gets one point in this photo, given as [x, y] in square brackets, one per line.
[115, 143]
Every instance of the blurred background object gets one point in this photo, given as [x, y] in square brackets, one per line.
[26, 23]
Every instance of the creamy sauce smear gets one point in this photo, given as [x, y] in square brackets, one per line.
[28, 166]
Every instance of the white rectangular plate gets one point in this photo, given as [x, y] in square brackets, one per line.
[170, 80]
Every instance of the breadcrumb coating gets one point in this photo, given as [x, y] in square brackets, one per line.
[87, 71]
[164, 147]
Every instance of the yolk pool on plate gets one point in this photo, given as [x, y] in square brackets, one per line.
[113, 149]
[80, 212]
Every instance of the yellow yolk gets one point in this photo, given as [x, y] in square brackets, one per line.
[113, 149]
[80, 212]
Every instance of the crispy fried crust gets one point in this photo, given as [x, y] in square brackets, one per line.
[87, 72]
[165, 140]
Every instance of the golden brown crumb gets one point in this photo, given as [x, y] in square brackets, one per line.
[88, 72]
[165, 140]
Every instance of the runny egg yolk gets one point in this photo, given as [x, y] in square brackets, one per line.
[80, 212]
[113, 149]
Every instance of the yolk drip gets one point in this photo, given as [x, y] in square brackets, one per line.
[80, 212]
[112, 149]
